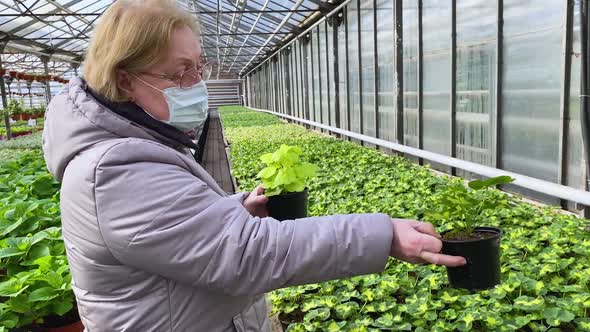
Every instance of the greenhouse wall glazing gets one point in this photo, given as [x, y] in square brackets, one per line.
[483, 81]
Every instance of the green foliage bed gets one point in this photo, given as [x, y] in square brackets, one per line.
[545, 255]
[32, 141]
[35, 279]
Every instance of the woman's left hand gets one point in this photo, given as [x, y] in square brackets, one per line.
[255, 203]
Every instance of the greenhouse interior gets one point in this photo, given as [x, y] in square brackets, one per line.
[296, 165]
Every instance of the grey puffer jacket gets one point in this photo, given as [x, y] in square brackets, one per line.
[155, 245]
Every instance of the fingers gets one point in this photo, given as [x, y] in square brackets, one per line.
[430, 243]
[261, 199]
[259, 190]
[441, 259]
[426, 228]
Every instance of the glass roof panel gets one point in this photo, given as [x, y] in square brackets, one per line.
[60, 29]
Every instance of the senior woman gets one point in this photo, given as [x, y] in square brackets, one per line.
[153, 243]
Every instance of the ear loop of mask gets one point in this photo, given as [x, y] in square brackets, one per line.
[146, 83]
[153, 87]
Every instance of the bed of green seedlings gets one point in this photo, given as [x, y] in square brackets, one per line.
[545, 255]
[35, 279]
[32, 141]
[236, 116]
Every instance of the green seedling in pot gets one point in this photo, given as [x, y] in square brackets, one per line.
[285, 172]
[466, 208]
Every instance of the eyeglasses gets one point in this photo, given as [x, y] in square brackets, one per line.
[187, 78]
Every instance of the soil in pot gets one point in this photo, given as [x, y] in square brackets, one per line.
[288, 206]
[67, 323]
[481, 249]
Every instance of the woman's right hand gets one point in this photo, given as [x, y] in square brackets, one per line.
[418, 242]
[255, 203]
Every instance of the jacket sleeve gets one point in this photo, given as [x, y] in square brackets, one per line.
[157, 216]
[241, 197]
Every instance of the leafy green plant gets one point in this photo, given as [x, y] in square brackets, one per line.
[34, 110]
[234, 118]
[14, 108]
[17, 253]
[35, 281]
[16, 130]
[466, 208]
[285, 172]
[39, 292]
[23, 143]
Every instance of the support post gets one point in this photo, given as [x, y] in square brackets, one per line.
[21, 98]
[4, 98]
[497, 152]
[319, 71]
[29, 84]
[5, 103]
[399, 69]
[347, 61]
[336, 20]
[328, 74]
[566, 62]
[360, 62]
[420, 73]
[585, 92]
[453, 103]
[375, 71]
[45, 60]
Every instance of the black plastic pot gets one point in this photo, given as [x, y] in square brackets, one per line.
[288, 206]
[70, 322]
[483, 260]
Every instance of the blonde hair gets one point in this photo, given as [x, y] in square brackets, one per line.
[132, 35]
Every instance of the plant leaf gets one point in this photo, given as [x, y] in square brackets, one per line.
[12, 287]
[481, 184]
[267, 172]
[529, 304]
[38, 251]
[43, 294]
[555, 316]
[62, 308]
[11, 252]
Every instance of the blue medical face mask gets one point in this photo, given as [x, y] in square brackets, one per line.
[188, 107]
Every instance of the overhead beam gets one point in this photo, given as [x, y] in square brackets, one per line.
[286, 11]
[268, 18]
[88, 28]
[51, 15]
[34, 20]
[279, 27]
[212, 26]
[55, 55]
[246, 34]
[67, 10]
[247, 37]
[44, 49]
